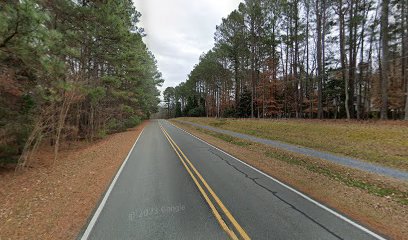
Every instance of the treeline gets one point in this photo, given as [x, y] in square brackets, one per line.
[69, 70]
[302, 59]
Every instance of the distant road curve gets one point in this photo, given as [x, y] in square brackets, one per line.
[345, 161]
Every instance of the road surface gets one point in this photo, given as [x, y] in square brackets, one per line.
[175, 186]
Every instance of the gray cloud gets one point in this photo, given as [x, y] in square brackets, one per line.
[179, 31]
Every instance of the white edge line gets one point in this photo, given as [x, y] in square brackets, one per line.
[105, 198]
[292, 189]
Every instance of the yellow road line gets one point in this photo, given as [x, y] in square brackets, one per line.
[241, 231]
[207, 199]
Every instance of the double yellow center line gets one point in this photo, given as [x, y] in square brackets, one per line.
[200, 182]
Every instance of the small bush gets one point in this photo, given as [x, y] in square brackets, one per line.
[196, 112]
[230, 113]
[118, 125]
[102, 133]
[115, 125]
[133, 121]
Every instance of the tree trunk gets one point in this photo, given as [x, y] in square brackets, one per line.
[370, 59]
[307, 61]
[237, 88]
[319, 58]
[296, 61]
[405, 52]
[352, 57]
[252, 70]
[286, 71]
[361, 64]
[343, 57]
[385, 61]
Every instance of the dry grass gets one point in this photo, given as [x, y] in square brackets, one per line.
[382, 142]
[355, 193]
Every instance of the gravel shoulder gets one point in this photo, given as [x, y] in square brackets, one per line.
[54, 201]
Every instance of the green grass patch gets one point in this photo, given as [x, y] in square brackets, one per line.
[226, 138]
[218, 123]
[401, 197]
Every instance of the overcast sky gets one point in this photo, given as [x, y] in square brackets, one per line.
[179, 31]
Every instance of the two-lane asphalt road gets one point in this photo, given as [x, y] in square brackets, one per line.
[175, 186]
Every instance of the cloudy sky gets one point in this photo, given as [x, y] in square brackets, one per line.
[179, 31]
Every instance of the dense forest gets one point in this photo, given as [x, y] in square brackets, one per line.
[71, 70]
[302, 59]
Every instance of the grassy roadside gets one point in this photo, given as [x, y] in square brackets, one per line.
[385, 143]
[378, 188]
[378, 202]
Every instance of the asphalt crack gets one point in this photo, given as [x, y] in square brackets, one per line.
[274, 193]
